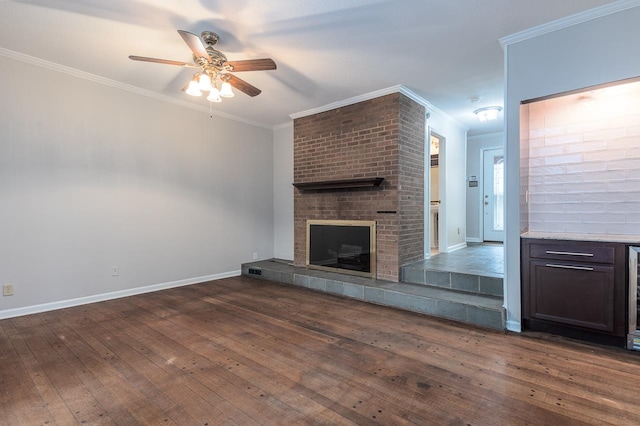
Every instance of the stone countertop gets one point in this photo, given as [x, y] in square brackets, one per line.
[629, 239]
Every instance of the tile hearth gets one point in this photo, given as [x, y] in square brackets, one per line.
[466, 304]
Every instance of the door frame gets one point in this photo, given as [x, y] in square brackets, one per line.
[442, 240]
[483, 153]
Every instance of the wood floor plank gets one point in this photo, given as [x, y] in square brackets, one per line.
[581, 406]
[387, 374]
[244, 351]
[546, 371]
[23, 402]
[256, 386]
[245, 326]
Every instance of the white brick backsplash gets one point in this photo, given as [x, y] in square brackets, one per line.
[634, 152]
[605, 156]
[546, 227]
[586, 167]
[593, 207]
[574, 178]
[607, 218]
[536, 162]
[546, 151]
[550, 217]
[624, 143]
[564, 139]
[586, 147]
[624, 207]
[606, 176]
[535, 181]
[622, 229]
[536, 199]
[605, 134]
[628, 164]
[585, 228]
[584, 163]
[547, 170]
[631, 196]
[536, 143]
[563, 159]
[586, 126]
[561, 198]
[547, 208]
[542, 132]
[557, 188]
[634, 219]
[633, 174]
[589, 189]
[626, 186]
[603, 197]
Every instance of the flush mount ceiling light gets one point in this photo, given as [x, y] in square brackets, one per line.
[489, 113]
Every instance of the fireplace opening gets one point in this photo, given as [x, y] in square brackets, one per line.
[342, 246]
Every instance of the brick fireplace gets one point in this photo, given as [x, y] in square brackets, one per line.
[382, 137]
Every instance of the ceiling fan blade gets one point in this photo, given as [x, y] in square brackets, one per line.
[243, 86]
[194, 43]
[162, 61]
[265, 64]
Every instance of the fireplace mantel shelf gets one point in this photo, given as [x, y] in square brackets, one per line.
[329, 185]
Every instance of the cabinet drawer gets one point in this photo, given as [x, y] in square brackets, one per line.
[573, 252]
[572, 293]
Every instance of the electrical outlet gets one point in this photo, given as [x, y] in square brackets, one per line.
[255, 255]
[7, 290]
[115, 271]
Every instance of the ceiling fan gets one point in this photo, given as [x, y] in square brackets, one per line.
[213, 67]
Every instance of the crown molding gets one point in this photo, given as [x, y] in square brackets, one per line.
[346, 102]
[376, 94]
[578, 18]
[122, 86]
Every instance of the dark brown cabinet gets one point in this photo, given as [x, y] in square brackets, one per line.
[574, 285]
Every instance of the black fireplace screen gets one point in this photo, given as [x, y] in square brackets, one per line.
[340, 246]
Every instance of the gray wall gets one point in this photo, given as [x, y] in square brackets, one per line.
[283, 192]
[93, 177]
[586, 54]
[453, 159]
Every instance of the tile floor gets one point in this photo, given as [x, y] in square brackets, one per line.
[485, 259]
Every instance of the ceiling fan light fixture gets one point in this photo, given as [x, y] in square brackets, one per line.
[489, 113]
[204, 82]
[214, 95]
[225, 90]
[194, 88]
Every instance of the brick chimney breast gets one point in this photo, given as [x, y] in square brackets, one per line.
[381, 137]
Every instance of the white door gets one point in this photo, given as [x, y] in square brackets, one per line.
[493, 194]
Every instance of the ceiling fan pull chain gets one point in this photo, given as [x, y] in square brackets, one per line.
[210, 110]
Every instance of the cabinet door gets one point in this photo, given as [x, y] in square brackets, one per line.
[575, 294]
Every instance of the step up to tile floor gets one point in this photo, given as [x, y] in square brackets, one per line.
[477, 283]
[443, 299]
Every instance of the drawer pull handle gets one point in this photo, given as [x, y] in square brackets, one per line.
[570, 253]
[580, 268]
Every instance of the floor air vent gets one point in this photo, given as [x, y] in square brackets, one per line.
[255, 271]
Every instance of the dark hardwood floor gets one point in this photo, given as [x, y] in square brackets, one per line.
[242, 351]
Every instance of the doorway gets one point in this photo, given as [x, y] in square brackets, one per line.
[493, 194]
[436, 151]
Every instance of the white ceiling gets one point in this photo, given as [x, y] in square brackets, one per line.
[445, 51]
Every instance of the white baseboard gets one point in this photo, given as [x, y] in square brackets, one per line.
[514, 326]
[45, 307]
[456, 247]
[474, 240]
